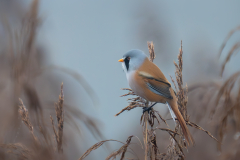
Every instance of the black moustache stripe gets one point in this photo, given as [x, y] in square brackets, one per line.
[126, 60]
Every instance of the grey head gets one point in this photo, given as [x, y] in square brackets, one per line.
[133, 59]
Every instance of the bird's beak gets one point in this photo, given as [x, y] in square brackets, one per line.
[121, 60]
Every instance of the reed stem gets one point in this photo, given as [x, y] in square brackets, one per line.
[146, 133]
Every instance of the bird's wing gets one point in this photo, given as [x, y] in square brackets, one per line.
[157, 85]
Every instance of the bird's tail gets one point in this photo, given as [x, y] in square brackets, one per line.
[173, 107]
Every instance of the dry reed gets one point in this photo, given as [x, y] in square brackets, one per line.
[221, 105]
[23, 70]
[60, 118]
[113, 155]
[25, 118]
[17, 149]
[24, 66]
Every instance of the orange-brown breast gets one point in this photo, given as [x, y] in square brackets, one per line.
[139, 86]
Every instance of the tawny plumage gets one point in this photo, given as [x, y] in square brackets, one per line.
[148, 82]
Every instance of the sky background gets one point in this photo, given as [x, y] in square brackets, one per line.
[90, 36]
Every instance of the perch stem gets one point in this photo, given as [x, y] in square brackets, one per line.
[146, 132]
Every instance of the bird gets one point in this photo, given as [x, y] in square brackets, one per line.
[147, 81]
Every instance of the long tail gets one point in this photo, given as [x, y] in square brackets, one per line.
[174, 108]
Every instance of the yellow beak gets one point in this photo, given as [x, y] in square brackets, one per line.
[121, 60]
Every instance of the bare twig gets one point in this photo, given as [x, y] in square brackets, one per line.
[200, 128]
[94, 147]
[121, 151]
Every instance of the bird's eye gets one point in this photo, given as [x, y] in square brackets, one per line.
[128, 58]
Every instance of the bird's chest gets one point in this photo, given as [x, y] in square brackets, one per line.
[139, 87]
[137, 84]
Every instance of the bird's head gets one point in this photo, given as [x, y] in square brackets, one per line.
[132, 60]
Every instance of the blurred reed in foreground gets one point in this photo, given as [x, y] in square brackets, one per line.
[219, 108]
[27, 95]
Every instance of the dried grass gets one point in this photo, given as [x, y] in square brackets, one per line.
[134, 102]
[177, 143]
[113, 155]
[22, 68]
[234, 49]
[25, 118]
[18, 150]
[121, 151]
[60, 118]
[225, 109]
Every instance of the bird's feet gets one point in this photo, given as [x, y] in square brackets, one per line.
[146, 109]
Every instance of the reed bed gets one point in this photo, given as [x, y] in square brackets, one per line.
[177, 143]
[34, 128]
[32, 125]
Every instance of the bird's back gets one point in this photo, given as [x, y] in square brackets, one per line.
[152, 69]
[138, 83]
